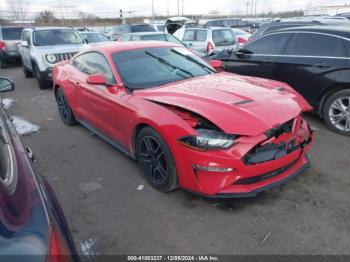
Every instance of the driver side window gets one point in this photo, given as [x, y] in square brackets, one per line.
[271, 44]
[94, 63]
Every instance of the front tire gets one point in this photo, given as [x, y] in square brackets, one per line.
[27, 73]
[43, 83]
[336, 112]
[64, 109]
[155, 160]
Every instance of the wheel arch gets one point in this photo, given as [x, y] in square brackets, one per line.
[331, 91]
[55, 89]
[137, 129]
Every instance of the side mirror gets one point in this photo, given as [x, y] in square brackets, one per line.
[243, 53]
[24, 43]
[97, 79]
[217, 64]
[6, 85]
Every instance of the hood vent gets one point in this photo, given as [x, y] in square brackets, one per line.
[243, 102]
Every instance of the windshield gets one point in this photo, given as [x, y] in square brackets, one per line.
[151, 67]
[160, 37]
[142, 28]
[56, 37]
[94, 37]
[223, 37]
[11, 33]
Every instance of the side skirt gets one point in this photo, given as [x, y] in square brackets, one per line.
[111, 141]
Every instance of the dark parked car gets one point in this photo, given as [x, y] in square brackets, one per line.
[93, 37]
[9, 36]
[270, 27]
[313, 60]
[119, 30]
[230, 22]
[31, 219]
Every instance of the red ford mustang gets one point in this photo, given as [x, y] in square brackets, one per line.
[216, 134]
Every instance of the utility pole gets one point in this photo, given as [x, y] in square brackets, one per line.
[178, 7]
[256, 3]
[153, 10]
[183, 7]
[247, 3]
[251, 8]
[168, 13]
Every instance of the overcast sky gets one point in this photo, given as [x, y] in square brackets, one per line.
[144, 7]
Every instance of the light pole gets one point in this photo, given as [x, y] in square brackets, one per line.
[178, 7]
[183, 7]
[168, 8]
[153, 10]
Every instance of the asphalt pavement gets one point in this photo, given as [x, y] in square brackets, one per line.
[112, 210]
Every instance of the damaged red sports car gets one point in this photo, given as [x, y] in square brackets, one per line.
[212, 133]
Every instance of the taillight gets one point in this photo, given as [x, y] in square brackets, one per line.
[210, 48]
[240, 41]
[2, 45]
[57, 251]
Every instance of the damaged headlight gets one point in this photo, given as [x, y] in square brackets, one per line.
[208, 139]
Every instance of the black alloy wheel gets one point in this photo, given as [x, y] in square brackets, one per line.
[155, 160]
[64, 109]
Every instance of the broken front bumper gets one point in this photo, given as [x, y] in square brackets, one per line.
[244, 171]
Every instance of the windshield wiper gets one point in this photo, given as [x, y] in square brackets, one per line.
[166, 62]
[190, 58]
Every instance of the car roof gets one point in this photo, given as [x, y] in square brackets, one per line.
[207, 28]
[38, 28]
[89, 32]
[113, 47]
[11, 26]
[334, 30]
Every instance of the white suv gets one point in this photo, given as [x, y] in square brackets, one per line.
[43, 47]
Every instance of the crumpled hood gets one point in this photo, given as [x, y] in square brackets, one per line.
[236, 104]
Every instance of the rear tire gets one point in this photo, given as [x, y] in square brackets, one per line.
[155, 160]
[2, 64]
[336, 112]
[64, 109]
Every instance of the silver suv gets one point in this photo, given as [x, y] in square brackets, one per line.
[43, 47]
[207, 40]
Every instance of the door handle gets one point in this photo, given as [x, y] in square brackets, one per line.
[321, 65]
[77, 84]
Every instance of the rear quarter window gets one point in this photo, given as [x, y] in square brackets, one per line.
[304, 45]
[188, 35]
[11, 33]
[201, 35]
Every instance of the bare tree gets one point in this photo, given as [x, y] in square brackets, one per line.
[18, 9]
[45, 18]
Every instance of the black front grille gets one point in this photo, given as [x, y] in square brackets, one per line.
[260, 178]
[281, 129]
[271, 151]
[64, 56]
